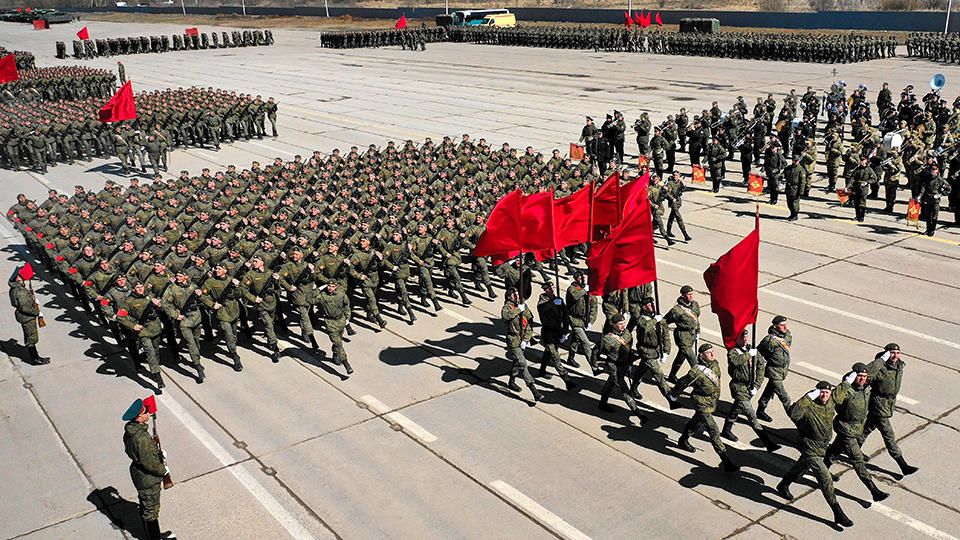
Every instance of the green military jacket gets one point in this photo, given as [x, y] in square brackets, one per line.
[334, 308]
[146, 464]
[365, 263]
[332, 267]
[617, 347]
[775, 349]
[704, 380]
[687, 320]
[852, 404]
[262, 284]
[814, 421]
[22, 300]
[397, 255]
[745, 371]
[581, 307]
[140, 310]
[449, 246]
[175, 300]
[653, 338]
[225, 292]
[518, 324]
[885, 378]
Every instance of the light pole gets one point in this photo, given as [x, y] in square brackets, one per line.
[184, 8]
[946, 26]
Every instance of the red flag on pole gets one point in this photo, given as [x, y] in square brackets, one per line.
[502, 234]
[26, 272]
[606, 202]
[401, 22]
[630, 191]
[755, 186]
[8, 69]
[657, 20]
[576, 151]
[41, 24]
[83, 34]
[645, 20]
[732, 282]
[571, 218]
[191, 32]
[120, 107]
[536, 222]
[150, 404]
[625, 258]
[627, 20]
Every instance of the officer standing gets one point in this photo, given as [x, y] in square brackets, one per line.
[774, 348]
[793, 177]
[813, 415]
[705, 380]
[27, 312]
[852, 397]
[685, 316]
[886, 374]
[518, 320]
[146, 468]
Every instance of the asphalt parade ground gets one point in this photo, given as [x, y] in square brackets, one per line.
[424, 440]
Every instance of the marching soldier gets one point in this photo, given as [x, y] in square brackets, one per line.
[746, 377]
[774, 349]
[395, 260]
[334, 307]
[180, 303]
[673, 193]
[138, 314]
[220, 295]
[685, 316]
[296, 277]
[582, 312]
[617, 352]
[886, 374]
[260, 290]
[653, 347]
[553, 332]
[518, 320]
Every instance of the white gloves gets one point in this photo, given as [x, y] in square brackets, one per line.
[849, 378]
[671, 398]
[658, 318]
[523, 345]
[522, 307]
[557, 301]
[752, 352]
[885, 356]
[664, 358]
[698, 336]
[322, 287]
[813, 394]
[164, 452]
[753, 392]
[564, 337]
[166, 470]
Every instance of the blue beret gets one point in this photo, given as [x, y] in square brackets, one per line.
[134, 411]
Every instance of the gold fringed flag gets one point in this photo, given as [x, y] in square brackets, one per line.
[755, 186]
[842, 196]
[913, 212]
[576, 151]
[698, 177]
[642, 162]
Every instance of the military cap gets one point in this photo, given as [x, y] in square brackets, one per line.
[135, 410]
[617, 318]
[184, 172]
[78, 187]
[823, 385]
[686, 289]
[779, 319]
[646, 300]
[609, 116]
[590, 119]
[578, 273]
[860, 367]
[704, 348]
[891, 347]
[16, 272]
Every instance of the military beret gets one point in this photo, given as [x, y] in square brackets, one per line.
[686, 289]
[823, 385]
[779, 319]
[617, 318]
[646, 300]
[135, 410]
[860, 367]
[891, 347]
[704, 348]
[578, 273]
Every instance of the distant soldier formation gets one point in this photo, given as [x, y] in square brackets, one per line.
[408, 38]
[94, 48]
[23, 59]
[59, 83]
[935, 46]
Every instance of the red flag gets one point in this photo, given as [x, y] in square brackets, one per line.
[502, 234]
[401, 23]
[842, 196]
[121, 106]
[657, 20]
[606, 202]
[627, 20]
[645, 20]
[732, 282]
[150, 404]
[8, 69]
[499, 258]
[576, 151]
[83, 34]
[625, 259]
[630, 191]
[571, 218]
[698, 177]
[26, 272]
[536, 222]
[755, 186]
[191, 32]
[41, 24]
[913, 210]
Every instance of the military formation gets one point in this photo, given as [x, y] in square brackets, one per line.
[42, 134]
[935, 46]
[59, 83]
[23, 59]
[94, 48]
[409, 38]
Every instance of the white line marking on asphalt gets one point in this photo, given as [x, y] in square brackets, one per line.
[412, 427]
[824, 307]
[271, 504]
[376, 406]
[547, 518]
[457, 316]
[271, 148]
[910, 522]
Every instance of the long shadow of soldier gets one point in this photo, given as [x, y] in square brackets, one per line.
[123, 514]
[465, 336]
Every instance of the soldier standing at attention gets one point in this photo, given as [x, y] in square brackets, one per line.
[793, 177]
[27, 312]
[852, 397]
[685, 316]
[122, 72]
[813, 415]
[146, 468]
[518, 320]
[886, 374]
[588, 132]
[705, 380]
[775, 350]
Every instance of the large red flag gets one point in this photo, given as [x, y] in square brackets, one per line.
[191, 32]
[657, 20]
[83, 34]
[732, 282]
[536, 222]
[150, 404]
[627, 20]
[625, 258]
[606, 202]
[571, 218]
[120, 107]
[645, 20]
[26, 272]
[8, 69]
[629, 190]
[401, 22]
[502, 234]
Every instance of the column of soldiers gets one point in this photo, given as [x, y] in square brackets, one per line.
[59, 83]
[934, 45]
[408, 38]
[90, 48]
[48, 132]
[23, 59]
[794, 47]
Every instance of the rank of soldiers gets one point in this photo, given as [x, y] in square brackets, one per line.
[23, 59]
[934, 45]
[90, 48]
[408, 38]
[48, 132]
[59, 82]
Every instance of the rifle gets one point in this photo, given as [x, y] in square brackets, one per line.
[167, 480]
[40, 322]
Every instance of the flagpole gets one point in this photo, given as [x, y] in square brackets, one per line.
[753, 338]
[656, 299]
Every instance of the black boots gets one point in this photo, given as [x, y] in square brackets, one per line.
[875, 491]
[412, 316]
[512, 385]
[350, 330]
[153, 531]
[905, 468]
[157, 378]
[783, 489]
[767, 441]
[347, 366]
[314, 344]
[840, 518]
[762, 415]
[727, 465]
[727, 432]
[490, 292]
[200, 376]
[436, 305]
[275, 353]
[537, 396]
[463, 298]
[684, 443]
[35, 357]
[237, 366]
[380, 322]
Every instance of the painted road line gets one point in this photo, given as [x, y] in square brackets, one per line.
[375, 405]
[838, 376]
[269, 502]
[457, 316]
[910, 522]
[545, 517]
[271, 148]
[412, 427]
[831, 309]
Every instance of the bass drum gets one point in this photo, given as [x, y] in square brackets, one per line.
[892, 140]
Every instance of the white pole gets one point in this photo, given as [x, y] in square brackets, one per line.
[183, 7]
[446, 7]
[243, 5]
[326, 8]
[630, 7]
[946, 26]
